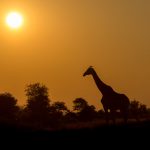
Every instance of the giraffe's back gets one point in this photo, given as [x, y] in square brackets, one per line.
[115, 101]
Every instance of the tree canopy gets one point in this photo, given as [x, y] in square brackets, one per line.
[38, 102]
[8, 106]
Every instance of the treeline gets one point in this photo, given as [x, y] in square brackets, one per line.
[40, 111]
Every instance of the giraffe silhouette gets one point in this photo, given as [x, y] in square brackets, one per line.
[111, 100]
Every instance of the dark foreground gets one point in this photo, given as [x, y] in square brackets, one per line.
[105, 135]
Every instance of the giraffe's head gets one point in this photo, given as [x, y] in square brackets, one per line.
[88, 71]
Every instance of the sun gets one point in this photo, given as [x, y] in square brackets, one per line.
[14, 20]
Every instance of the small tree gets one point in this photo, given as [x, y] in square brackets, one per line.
[8, 107]
[101, 114]
[137, 109]
[143, 110]
[85, 112]
[79, 104]
[38, 103]
[58, 110]
[60, 107]
[134, 108]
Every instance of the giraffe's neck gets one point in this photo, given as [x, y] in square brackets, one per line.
[103, 88]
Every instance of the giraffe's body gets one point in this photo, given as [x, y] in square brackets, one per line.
[111, 100]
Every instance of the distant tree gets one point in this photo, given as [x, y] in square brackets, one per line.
[148, 112]
[60, 107]
[79, 104]
[88, 113]
[85, 111]
[71, 117]
[8, 107]
[143, 110]
[58, 110]
[101, 114]
[134, 109]
[137, 109]
[23, 115]
[38, 103]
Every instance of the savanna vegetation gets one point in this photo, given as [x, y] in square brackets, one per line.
[42, 120]
[42, 113]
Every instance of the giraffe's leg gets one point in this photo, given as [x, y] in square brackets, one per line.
[125, 115]
[106, 115]
[113, 115]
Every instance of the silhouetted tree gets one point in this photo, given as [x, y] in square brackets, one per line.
[134, 109]
[137, 109]
[23, 115]
[79, 104]
[143, 108]
[38, 103]
[71, 117]
[8, 107]
[88, 113]
[84, 111]
[101, 114]
[60, 107]
[57, 113]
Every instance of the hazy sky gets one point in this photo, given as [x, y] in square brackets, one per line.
[61, 38]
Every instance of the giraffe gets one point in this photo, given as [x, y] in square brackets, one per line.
[111, 100]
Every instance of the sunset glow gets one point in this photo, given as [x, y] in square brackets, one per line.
[55, 42]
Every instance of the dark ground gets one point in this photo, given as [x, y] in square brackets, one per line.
[135, 134]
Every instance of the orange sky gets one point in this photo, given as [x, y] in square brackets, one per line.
[61, 38]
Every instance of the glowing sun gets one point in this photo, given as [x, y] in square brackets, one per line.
[14, 20]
